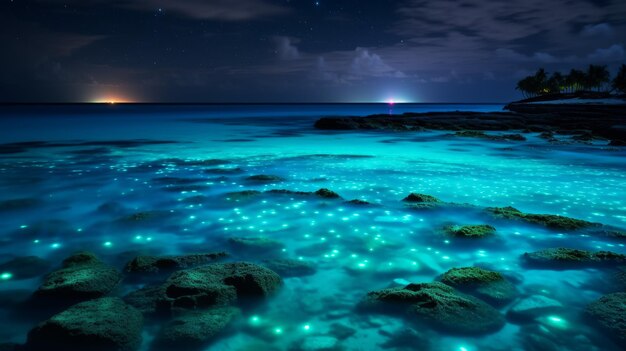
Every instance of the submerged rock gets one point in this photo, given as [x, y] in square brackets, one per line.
[609, 315]
[18, 204]
[265, 178]
[81, 277]
[106, 324]
[146, 299]
[438, 305]
[556, 258]
[483, 135]
[327, 194]
[550, 221]
[255, 245]
[415, 197]
[358, 202]
[290, 268]
[195, 329]
[470, 231]
[242, 195]
[159, 264]
[26, 267]
[218, 285]
[487, 285]
[532, 307]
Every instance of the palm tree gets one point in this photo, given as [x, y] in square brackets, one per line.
[555, 83]
[619, 83]
[541, 81]
[576, 80]
[597, 77]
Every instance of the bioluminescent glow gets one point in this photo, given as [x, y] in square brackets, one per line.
[6, 276]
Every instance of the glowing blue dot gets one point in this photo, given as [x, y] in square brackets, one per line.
[6, 276]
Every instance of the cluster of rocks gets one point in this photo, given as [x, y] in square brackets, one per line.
[198, 300]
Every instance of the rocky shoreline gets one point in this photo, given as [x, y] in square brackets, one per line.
[588, 121]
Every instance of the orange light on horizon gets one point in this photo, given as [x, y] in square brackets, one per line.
[111, 99]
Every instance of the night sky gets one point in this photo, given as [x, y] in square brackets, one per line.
[298, 50]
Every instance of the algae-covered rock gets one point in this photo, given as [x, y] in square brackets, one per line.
[195, 329]
[487, 285]
[532, 307]
[470, 231]
[255, 245]
[106, 324]
[81, 277]
[218, 285]
[415, 197]
[158, 264]
[609, 315]
[547, 220]
[438, 305]
[560, 258]
[290, 268]
[358, 202]
[146, 299]
[327, 194]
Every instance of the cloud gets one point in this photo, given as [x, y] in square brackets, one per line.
[612, 53]
[601, 29]
[286, 49]
[371, 65]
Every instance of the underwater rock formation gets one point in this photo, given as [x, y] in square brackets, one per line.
[483, 135]
[290, 268]
[106, 324]
[327, 194]
[609, 315]
[146, 299]
[218, 285]
[532, 307]
[194, 329]
[159, 264]
[82, 276]
[255, 246]
[550, 221]
[438, 305]
[265, 178]
[475, 231]
[415, 197]
[556, 258]
[487, 285]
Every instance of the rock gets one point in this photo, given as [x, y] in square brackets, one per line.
[26, 267]
[358, 202]
[564, 258]
[487, 285]
[483, 135]
[290, 268]
[414, 197]
[159, 264]
[146, 299]
[327, 194]
[550, 221]
[470, 231]
[218, 285]
[195, 329]
[341, 331]
[288, 192]
[439, 306]
[81, 277]
[242, 195]
[255, 246]
[318, 343]
[106, 324]
[532, 307]
[265, 178]
[608, 314]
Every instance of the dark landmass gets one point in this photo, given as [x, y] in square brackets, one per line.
[606, 121]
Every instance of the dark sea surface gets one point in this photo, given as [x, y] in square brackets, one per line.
[122, 180]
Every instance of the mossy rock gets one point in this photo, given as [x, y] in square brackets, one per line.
[415, 197]
[26, 267]
[609, 315]
[106, 324]
[146, 300]
[255, 245]
[159, 264]
[218, 285]
[265, 178]
[562, 258]
[195, 329]
[547, 220]
[82, 277]
[487, 285]
[358, 202]
[438, 305]
[475, 231]
[327, 194]
[290, 268]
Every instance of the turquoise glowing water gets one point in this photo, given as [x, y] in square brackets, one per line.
[355, 249]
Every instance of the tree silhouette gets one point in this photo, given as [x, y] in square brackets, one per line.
[619, 83]
[597, 77]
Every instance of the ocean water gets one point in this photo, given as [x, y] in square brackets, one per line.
[82, 170]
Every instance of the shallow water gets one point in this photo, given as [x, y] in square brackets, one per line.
[115, 156]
